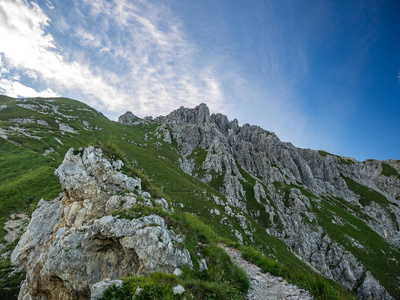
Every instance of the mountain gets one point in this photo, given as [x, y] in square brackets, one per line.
[309, 212]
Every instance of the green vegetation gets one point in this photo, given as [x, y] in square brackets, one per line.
[342, 161]
[317, 285]
[388, 170]
[9, 280]
[26, 177]
[254, 208]
[367, 195]
[357, 237]
[155, 286]
[285, 189]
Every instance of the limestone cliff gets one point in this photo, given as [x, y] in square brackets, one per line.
[73, 245]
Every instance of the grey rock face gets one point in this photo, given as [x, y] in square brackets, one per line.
[39, 231]
[73, 244]
[200, 115]
[232, 151]
[98, 288]
[128, 118]
[93, 177]
[371, 289]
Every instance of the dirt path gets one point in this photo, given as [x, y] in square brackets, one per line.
[264, 285]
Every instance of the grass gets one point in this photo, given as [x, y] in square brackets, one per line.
[285, 188]
[388, 170]
[26, 177]
[155, 286]
[367, 195]
[9, 279]
[342, 161]
[254, 208]
[317, 285]
[374, 253]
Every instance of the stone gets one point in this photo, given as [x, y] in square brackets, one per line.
[177, 272]
[372, 289]
[38, 232]
[230, 147]
[264, 285]
[14, 225]
[66, 128]
[138, 290]
[202, 265]
[97, 289]
[178, 290]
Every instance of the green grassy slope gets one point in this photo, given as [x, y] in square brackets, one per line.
[27, 176]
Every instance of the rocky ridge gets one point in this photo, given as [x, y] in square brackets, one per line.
[73, 245]
[291, 184]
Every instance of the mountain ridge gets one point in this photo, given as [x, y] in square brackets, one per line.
[321, 173]
[250, 182]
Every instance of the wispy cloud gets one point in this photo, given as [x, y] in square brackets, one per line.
[128, 56]
[161, 67]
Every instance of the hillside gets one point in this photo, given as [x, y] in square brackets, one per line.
[309, 211]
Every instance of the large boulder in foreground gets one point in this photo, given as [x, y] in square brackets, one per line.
[73, 242]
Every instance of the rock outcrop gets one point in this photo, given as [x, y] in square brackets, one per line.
[74, 244]
[128, 118]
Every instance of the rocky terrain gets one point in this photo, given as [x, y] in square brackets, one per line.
[291, 185]
[74, 243]
[310, 211]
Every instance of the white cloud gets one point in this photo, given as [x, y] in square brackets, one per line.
[50, 5]
[105, 50]
[16, 77]
[87, 39]
[31, 74]
[17, 89]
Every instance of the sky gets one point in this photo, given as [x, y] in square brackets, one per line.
[321, 74]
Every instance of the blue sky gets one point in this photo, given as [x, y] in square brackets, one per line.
[320, 74]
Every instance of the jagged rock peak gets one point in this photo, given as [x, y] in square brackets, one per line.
[200, 115]
[128, 118]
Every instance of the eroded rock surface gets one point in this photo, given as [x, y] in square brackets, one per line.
[73, 243]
